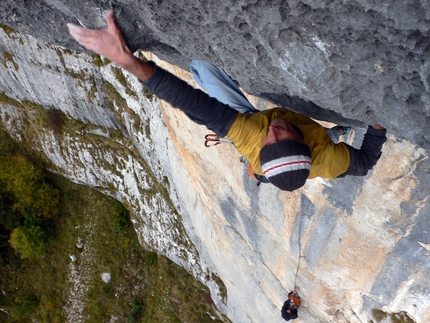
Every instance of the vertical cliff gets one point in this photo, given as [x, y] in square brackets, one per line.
[365, 241]
[362, 62]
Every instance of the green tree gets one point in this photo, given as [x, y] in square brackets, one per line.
[47, 200]
[26, 183]
[28, 241]
[120, 217]
[24, 306]
[4, 245]
[9, 218]
[7, 144]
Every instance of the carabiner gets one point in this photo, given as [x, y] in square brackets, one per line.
[212, 140]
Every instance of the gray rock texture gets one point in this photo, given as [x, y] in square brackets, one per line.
[361, 62]
[366, 241]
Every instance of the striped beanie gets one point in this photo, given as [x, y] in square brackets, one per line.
[286, 164]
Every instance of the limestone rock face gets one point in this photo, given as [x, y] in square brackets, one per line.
[362, 62]
[365, 241]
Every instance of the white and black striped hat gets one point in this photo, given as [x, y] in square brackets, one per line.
[286, 164]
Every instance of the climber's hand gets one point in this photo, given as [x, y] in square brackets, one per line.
[108, 42]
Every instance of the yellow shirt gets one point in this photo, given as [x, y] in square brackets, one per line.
[248, 132]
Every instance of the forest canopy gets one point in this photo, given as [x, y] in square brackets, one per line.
[28, 203]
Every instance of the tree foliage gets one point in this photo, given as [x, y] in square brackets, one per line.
[120, 217]
[25, 181]
[24, 306]
[9, 218]
[27, 202]
[29, 241]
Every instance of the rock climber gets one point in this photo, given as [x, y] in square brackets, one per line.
[284, 148]
[291, 305]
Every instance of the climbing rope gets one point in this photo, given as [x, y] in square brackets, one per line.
[299, 242]
[212, 140]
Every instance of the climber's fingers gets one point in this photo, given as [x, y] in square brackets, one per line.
[108, 42]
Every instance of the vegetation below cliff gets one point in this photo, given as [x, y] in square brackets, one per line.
[365, 243]
[110, 278]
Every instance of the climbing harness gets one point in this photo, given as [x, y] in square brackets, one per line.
[212, 140]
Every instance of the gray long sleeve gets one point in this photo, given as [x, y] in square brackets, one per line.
[196, 104]
[363, 159]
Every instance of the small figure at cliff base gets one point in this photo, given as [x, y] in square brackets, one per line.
[284, 147]
[290, 308]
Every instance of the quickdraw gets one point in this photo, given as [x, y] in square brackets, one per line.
[212, 140]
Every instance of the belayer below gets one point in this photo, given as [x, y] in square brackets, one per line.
[284, 148]
[291, 305]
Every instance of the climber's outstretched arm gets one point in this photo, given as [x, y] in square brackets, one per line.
[198, 106]
[109, 42]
